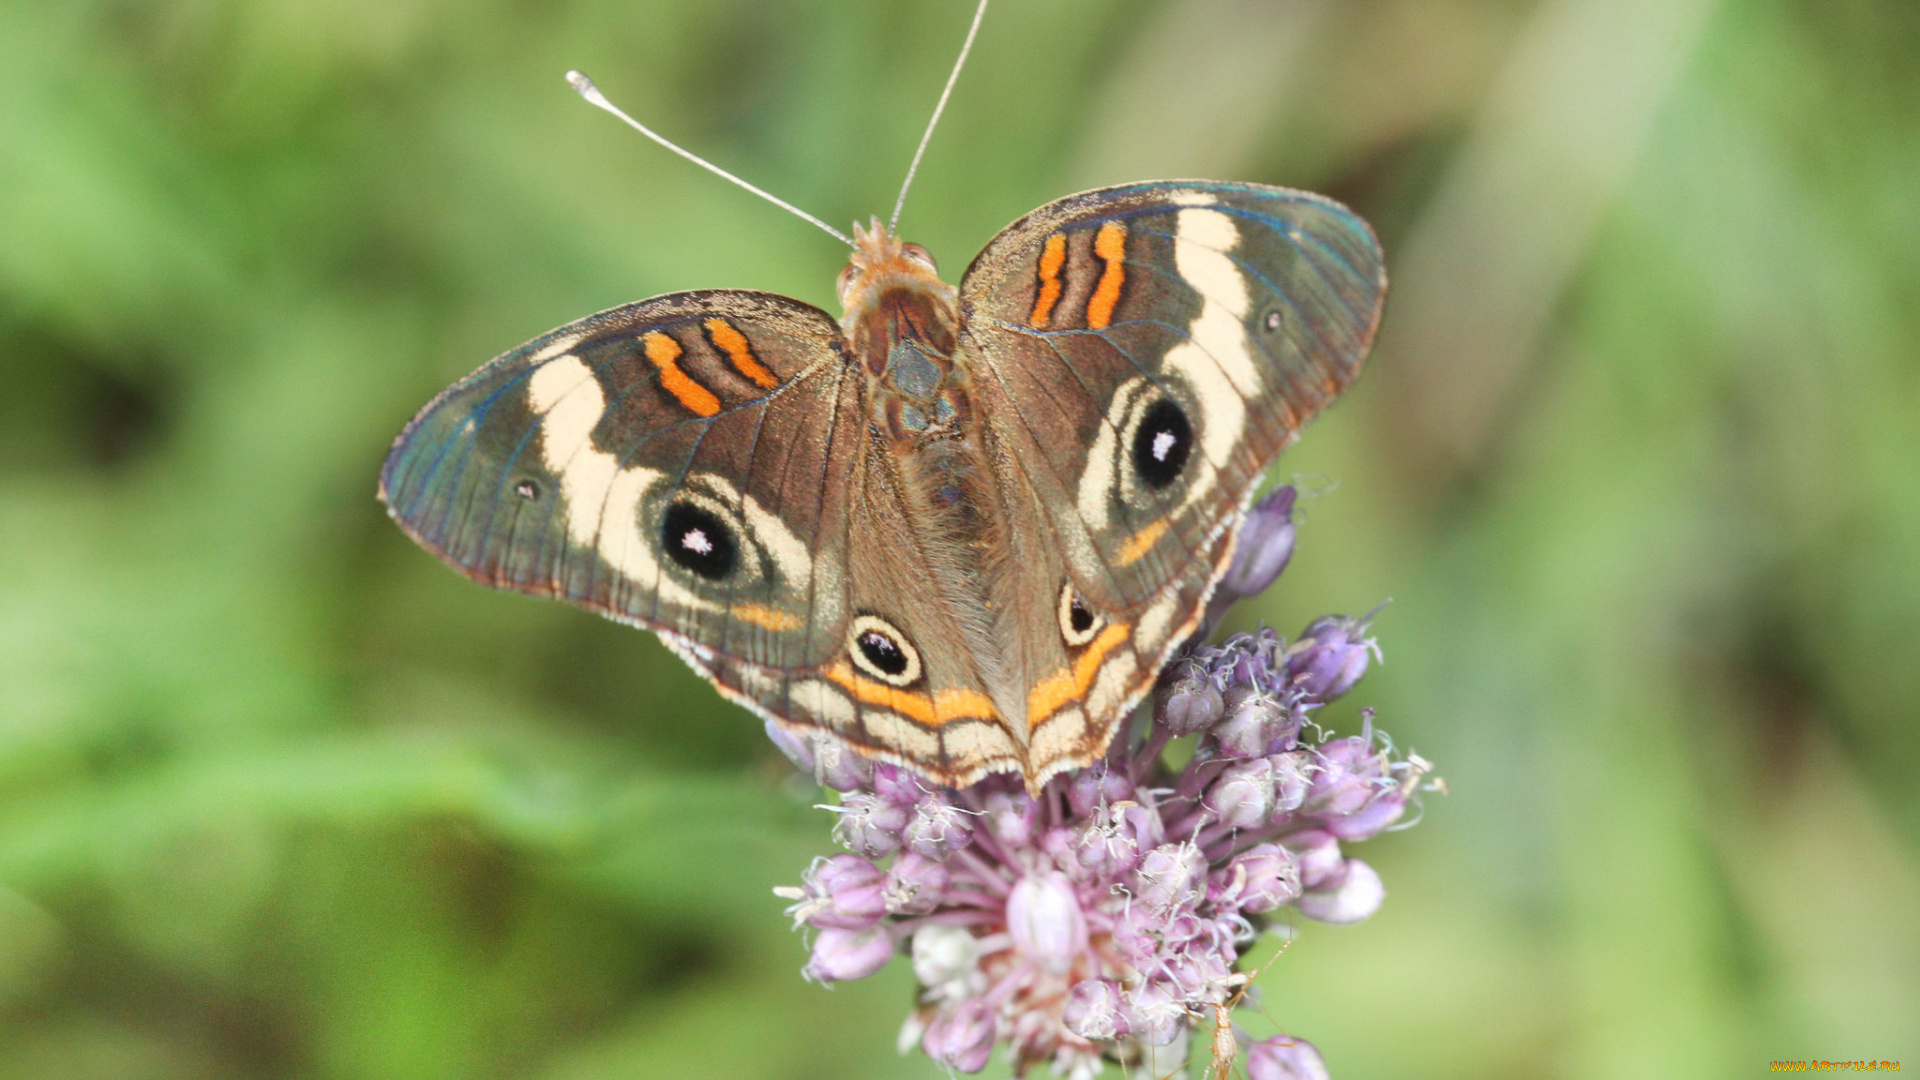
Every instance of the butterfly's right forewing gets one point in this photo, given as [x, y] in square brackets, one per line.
[1202, 321]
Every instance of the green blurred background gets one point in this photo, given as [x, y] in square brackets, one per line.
[1638, 460]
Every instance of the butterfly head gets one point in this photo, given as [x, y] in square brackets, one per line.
[882, 262]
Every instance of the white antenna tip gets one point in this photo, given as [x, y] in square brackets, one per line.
[584, 87]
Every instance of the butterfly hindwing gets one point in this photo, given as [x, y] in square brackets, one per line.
[680, 464]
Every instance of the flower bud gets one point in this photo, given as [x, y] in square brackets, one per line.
[1285, 1058]
[1134, 939]
[1243, 665]
[1369, 820]
[1058, 844]
[868, 825]
[839, 955]
[1045, 921]
[1153, 1014]
[1283, 736]
[1318, 854]
[1186, 699]
[1292, 780]
[962, 1037]
[943, 954]
[896, 785]
[938, 828]
[1096, 785]
[844, 892]
[1114, 840]
[1358, 895]
[1329, 658]
[1242, 796]
[797, 750]
[1259, 879]
[1011, 816]
[915, 884]
[1265, 545]
[1253, 717]
[1348, 774]
[1093, 1010]
[1169, 875]
[840, 768]
[1193, 971]
[1180, 926]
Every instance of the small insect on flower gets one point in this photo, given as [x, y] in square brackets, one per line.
[1226, 1042]
[1224, 1048]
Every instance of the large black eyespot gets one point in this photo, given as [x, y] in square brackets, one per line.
[1078, 623]
[880, 650]
[699, 540]
[1079, 619]
[1161, 443]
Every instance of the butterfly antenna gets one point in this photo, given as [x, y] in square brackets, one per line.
[965, 48]
[593, 95]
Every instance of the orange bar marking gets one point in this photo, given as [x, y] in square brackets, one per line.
[1066, 686]
[665, 352]
[765, 617]
[951, 703]
[1142, 542]
[1053, 258]
[739, 353]
[1110, 243]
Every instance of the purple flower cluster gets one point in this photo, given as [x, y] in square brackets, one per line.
[1105, 918]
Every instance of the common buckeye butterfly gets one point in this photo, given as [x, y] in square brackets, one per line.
[959, 529]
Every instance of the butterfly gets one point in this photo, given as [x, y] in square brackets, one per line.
[960, 529]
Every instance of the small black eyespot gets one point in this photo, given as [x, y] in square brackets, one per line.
[699, 540]
[882, 652]
[1273, 320]
[1078, 623]
[1078, 616]
[1161, 443]
[527, 489]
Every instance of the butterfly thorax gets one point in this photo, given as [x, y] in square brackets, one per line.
[900, 316]
[900, 325]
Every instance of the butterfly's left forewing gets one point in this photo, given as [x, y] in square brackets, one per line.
[681, 463]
